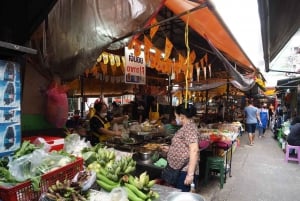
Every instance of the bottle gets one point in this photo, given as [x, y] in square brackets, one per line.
[193, 189]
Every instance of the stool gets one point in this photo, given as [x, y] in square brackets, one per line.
[287, 153]
[215, 163]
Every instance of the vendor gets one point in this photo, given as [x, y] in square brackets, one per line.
[100, 126]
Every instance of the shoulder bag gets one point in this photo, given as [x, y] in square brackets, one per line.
[170, 175]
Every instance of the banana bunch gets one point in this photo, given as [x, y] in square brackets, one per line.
[105, 156]
[107, 181]
[139, 188]
[125, 165]
[94, 166]
[109, 177]
[65, 191]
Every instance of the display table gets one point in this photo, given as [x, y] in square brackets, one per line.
[223, 142]
[163, 192]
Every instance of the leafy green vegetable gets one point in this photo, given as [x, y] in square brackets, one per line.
[89, 157]
[6, 177]
[35, 181]
[26, 148]
[4, 162]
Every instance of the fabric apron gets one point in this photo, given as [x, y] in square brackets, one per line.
[102, 137]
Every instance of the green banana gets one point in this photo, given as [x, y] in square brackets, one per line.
[137, 183]
[131, 180]
[103, 171]
[119, 162]
[129, 169]
[112, 176]
[132, 196]
[118, 169]
[125, 165]
[106, 180]
[151, 183]
[112, 155]
[106, 186]
[136, 191]
[142, 178]
[153, 194]
[146, 181]
[100, 153]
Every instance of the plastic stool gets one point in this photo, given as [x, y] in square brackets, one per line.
[287, 153]
[215, 163]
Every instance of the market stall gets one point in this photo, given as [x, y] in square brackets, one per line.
[62, 174]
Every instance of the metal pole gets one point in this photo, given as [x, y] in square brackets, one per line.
[206, 105]
[81, 78]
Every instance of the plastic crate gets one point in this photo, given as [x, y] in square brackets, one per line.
[24, 191]
[56, 143]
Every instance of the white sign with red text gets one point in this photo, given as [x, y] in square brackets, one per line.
[135, 67]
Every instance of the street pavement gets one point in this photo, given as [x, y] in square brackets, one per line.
[259, 173]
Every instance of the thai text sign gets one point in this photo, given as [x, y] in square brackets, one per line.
[135, 67]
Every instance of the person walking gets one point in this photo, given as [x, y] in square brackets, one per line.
[271, 115]
[252, 118]
[264, 117]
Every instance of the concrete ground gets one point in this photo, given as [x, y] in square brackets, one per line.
[259, 173]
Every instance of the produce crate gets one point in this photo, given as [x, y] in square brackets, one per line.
[25, 192]
[56, 143]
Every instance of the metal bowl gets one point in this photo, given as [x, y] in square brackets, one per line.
[145, 154]
[184, 196]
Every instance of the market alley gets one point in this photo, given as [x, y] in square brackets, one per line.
[259, 173]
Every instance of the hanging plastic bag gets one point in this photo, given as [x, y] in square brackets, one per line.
[57, 104]
[118, 194]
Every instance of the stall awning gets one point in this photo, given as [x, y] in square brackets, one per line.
[205, 21]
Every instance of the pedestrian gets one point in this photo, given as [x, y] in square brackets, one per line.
[271, 115]
[184, 149]
[264, 118]
[252, 118]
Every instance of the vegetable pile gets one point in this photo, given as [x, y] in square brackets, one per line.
[66, 191]
[30, 162]
[113, 173]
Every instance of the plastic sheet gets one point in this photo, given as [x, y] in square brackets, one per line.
[78, 31]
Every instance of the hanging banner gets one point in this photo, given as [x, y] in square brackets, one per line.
[135, 67]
